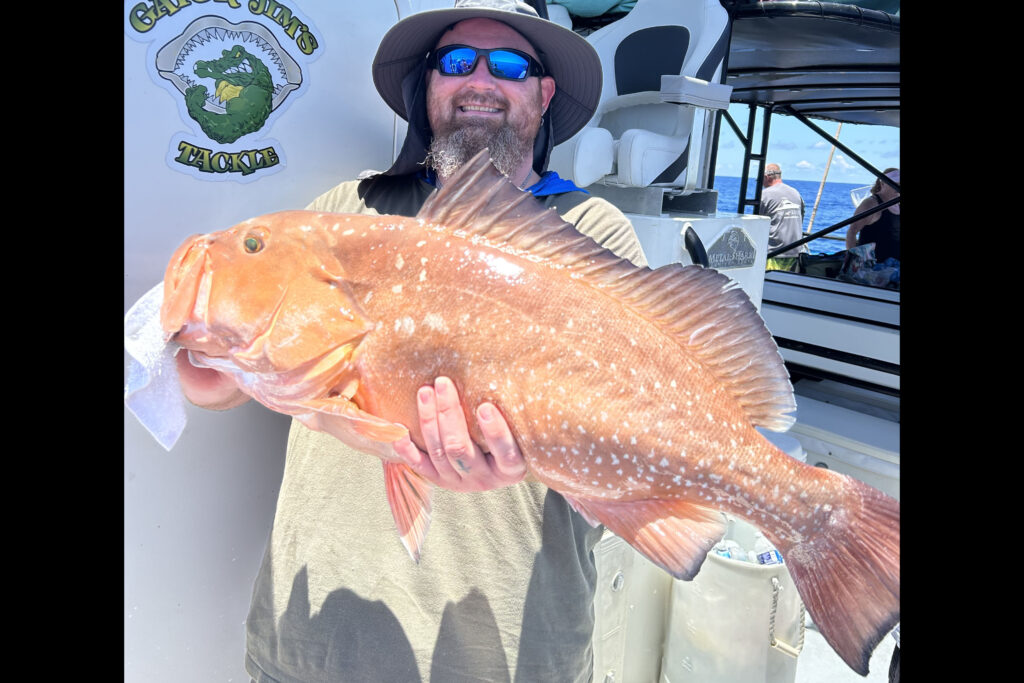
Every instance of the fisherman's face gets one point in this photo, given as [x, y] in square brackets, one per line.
[468, 113]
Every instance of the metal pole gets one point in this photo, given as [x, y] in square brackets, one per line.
[831, 228]
[822, 186]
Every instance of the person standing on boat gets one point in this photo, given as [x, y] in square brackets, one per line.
[784, 205]
[504, 590]
[881, 227]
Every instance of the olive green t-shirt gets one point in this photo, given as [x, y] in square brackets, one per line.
[505, 584]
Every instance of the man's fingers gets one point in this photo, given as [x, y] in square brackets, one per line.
[452, 459]
[462, 453]
[428, 412]
[508, 461]
[415, 458]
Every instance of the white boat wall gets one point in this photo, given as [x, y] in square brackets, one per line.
[197, 518]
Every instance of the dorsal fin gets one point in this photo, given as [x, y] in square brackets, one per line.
[705, 311]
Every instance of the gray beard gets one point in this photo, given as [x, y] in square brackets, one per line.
[449, 151]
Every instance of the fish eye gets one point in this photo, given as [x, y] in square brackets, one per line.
[253, 244]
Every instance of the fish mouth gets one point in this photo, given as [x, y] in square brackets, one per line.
[184, 279]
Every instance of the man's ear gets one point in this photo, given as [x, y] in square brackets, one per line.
[547, 91]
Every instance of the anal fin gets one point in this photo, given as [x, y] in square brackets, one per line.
[675, 535]
[409, 497]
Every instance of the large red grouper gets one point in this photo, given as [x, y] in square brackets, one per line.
[632, 392]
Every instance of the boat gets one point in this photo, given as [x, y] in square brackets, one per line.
[196, 518]
[840, 339]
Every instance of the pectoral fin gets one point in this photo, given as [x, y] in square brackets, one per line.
[409, 497]
[675, 535]
[344, 420]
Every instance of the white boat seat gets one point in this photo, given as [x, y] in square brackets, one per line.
[646, 131]
[559, 15]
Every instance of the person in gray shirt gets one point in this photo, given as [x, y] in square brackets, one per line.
[784, 205]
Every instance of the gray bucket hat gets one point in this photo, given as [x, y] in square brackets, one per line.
[567, 57]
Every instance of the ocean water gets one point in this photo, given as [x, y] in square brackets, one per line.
[834, 206]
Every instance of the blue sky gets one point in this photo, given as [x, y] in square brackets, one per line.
[804, 155]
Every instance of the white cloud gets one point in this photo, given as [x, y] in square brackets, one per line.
[840, 161]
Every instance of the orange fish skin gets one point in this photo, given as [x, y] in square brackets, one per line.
[633, 394]
[593, 410]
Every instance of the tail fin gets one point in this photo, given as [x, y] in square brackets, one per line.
[849, 577]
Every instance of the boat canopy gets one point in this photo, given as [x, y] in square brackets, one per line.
[832, 61]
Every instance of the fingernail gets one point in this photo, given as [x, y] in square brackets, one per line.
[441, 386]
[424, 395]
[485, 412]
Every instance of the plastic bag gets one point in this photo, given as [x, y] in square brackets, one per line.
[861, 268]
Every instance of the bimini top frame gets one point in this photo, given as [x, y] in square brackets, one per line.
[811, 60]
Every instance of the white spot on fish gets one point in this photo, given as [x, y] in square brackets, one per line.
[399, 262]
[406, 325]
[502, 267]
[421, 243]
[664, 462]
[397, 289]
[435, 322]
[423, 275]
[348, 232]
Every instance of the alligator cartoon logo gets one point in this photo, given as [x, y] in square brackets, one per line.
[251, 75]
[231, 81]
[243, 85]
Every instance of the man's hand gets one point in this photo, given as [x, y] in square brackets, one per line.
[453, 460]
[206, 387]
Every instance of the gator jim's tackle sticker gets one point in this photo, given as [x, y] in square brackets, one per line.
[232, 66]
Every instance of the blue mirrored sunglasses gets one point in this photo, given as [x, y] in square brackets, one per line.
[502, 62]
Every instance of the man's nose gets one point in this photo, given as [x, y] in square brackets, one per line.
[481, 76]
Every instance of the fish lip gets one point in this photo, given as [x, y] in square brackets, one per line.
[183, 283]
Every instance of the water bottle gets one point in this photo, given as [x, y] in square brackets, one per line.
[764, 552]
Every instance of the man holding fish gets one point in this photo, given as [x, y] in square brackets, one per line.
[505, 587]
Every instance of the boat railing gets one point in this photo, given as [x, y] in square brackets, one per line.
[833, 228]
